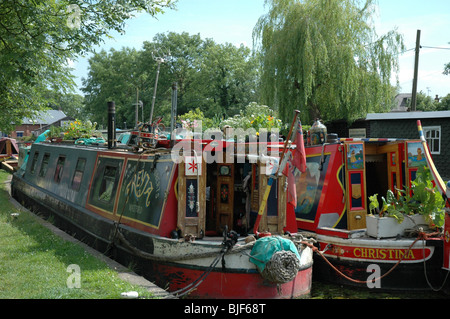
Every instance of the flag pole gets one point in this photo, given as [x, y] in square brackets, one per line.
[262, 207]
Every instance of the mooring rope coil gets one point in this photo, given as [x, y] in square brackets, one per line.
[282, 267]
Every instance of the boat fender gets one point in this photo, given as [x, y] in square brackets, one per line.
[276, 258]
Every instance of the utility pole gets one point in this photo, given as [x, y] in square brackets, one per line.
[416, 71]
[136, 115]
[173, 113]
[159, 57]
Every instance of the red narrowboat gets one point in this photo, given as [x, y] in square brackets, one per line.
[358, 245]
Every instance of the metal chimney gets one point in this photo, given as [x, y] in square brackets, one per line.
[111, 125]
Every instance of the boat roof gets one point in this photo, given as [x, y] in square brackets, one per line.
[407, 115]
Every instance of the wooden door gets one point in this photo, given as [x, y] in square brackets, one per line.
[225, 196]
[395, 156]
[192, 196]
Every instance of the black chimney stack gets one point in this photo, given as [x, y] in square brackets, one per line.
[111, 125]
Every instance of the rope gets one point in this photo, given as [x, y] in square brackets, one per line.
[227, 246]
[149, 256]
[193, 285]
[421, 236]
[425, 272]
[282, 267]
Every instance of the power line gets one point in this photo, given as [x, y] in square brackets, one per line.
[423, 46]
[407, 51]
[426, 47]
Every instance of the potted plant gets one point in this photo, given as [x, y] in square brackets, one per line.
[55, 134]
[78, 129]
[422, 204]
[429, 201]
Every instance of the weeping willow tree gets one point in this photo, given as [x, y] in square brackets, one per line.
[325, 58]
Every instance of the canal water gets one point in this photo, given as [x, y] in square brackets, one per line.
[322, 290]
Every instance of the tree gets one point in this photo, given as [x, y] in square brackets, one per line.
[70, 103]
[425, 103]
[325, 58]
[216, 79]
[38, 38]
[231, 74]
[444, 104]
[446, 69]
[185, 62]
[113, 76]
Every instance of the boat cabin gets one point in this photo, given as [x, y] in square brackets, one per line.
[153, 193]
[332, 195]
[218, 183]
[228, 193]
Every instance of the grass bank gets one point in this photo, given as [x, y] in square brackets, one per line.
[37, 264]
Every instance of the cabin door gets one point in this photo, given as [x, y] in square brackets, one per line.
[394, 161]
[225, 196]
[192, 196]
[355, 164]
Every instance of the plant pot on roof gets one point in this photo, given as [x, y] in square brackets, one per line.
[405, 211]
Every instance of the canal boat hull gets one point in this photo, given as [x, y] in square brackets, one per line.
[405, 264]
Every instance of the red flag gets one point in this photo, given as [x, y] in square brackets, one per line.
[299, 154]
[292, 189]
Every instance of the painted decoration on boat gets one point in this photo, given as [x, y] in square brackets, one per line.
[145, 183]
[191, 198]
[193, 165]
[224, 193]
[416, 155]
[271, 165]
[379, 254]
[355, 156]
[356, 189]
[309, 186]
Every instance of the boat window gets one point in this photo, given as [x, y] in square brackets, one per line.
[108, 182]
[59, 169]
[77, 176]
[105, 183]
[34, 162]
[44, 165]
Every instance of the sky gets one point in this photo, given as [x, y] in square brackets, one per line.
[233, 21]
